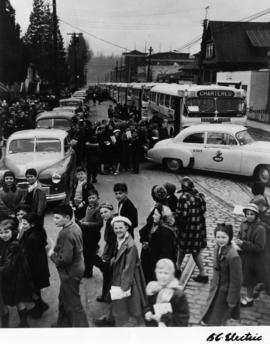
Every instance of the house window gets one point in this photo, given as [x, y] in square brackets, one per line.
[209, 50]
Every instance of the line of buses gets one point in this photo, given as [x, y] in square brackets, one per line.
[197, 103]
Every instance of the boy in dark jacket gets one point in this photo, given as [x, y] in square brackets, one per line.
[125, 207]
[91, 225]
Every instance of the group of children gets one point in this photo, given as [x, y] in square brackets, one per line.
[156, 299]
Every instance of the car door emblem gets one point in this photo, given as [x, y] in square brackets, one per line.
[218, 157]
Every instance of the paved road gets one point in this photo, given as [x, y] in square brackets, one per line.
[232, 190]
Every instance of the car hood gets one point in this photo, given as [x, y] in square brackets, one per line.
[258, 146]
[20, 162]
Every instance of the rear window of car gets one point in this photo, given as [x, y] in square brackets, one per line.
[45, 123]
[31, 145]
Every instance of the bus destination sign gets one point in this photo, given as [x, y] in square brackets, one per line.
[215, 93]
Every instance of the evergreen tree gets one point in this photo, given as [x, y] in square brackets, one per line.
[10, 45]
[79, 54]
[38, 41]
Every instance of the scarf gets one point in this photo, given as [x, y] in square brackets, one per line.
[164, 293]
[33, 186]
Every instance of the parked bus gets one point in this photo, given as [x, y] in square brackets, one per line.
[199, 103]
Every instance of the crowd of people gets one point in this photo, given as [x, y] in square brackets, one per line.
[141, 284]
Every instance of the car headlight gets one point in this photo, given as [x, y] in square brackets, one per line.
[56, 178]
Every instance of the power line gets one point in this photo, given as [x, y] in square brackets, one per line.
[247, 19]
[92, 35]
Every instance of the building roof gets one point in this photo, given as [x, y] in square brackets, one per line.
[134, 53]
[232, 42]
[170, 55]
[259, 38]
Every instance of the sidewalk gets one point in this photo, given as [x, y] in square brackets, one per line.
[263, 127]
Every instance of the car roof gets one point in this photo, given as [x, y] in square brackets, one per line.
[227, 128]
[39, 132]
[63, 108]
[56, 114]
[71, 99]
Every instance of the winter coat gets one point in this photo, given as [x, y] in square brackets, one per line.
[161, 244]
[34, 250]
[127, 274]
[38, 201]
[253, 253]
[15, 274]
[190, 221]
[129, 210]
[110, 242]
[180, 310]
[91, 225]
[225, 287]
[68, 252]
[9, 201]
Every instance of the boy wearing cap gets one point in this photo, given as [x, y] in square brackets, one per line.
[125, 206]
[67, 255]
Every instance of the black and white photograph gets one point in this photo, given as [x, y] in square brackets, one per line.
[135, 170]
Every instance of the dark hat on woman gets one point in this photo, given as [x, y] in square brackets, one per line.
[170, 188]
[159, 193]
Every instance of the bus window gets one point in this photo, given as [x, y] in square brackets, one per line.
[162, 99]
[173, 102]
[158, 98]
[167, 100]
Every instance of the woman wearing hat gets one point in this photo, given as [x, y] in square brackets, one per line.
[10, 195]
[252, 242]
[127, 285]
[161, 241]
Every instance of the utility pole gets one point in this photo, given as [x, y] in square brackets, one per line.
[55, 52]
[149, 65]
[75, 41]
[116, 72]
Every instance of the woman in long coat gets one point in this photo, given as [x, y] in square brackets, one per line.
[252, 242]
[34, 241]
[10, 195]
[127, 277]
[224, 297]
[162, 240]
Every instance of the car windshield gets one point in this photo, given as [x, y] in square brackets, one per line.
[45, 123]
[244, 137]
[31, 145]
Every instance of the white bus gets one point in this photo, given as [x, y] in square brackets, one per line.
[199, 103]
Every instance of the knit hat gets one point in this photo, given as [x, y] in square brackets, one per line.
[106, 205]
[170, 188]
[121, 219]
[159, 193]
[252, 207]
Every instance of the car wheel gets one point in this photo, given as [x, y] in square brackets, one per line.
[263, 174]
[174, 165]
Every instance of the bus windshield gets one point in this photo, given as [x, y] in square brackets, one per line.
[231, 106]
[222, 106]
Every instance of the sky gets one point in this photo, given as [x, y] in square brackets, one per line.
[163, 24]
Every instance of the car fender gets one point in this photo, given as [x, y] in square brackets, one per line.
[251, 161]
[160, 154]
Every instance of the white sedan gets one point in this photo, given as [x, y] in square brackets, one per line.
[215, 147]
